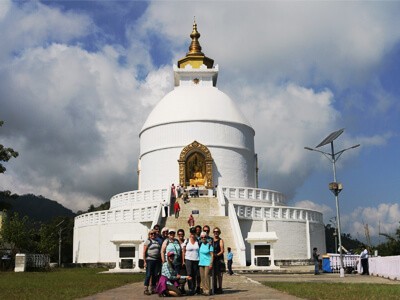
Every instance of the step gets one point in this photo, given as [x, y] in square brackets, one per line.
[208, 214]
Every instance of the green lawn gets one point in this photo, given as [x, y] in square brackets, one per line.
[336, 291]
[61, 283]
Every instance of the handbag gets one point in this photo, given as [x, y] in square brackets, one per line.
[222, 265]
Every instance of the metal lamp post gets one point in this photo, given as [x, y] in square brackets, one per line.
[334, 186]
[335, 233]
[59, 242]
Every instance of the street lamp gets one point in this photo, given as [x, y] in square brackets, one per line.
[59, 242]
[334, 186]
[335, 232]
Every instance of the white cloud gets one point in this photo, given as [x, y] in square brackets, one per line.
[75, 115]
[324, 209]
[75, 118]
[33, 24]
[287, 118]
[384, 218]
[317, 42]
[5, 6]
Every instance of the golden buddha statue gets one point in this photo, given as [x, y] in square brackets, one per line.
[198, 178]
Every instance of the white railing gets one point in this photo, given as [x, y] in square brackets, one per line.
[132, 198]
[140, 214]
[349, 260]
[238, 237]
[157, 216]
[386, 266]
[221, 201]
[277, 212]
[245, 193]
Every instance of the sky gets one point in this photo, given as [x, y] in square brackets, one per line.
[78, 79]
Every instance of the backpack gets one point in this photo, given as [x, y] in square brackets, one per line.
[148, 247]
[179, 256]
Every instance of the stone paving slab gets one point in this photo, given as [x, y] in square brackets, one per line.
[235, 287]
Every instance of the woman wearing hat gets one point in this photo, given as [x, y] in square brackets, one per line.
[152, 262]
[169, 280]
[206, 254]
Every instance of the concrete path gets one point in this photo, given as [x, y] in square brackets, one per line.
[235, 287]
[248, 286]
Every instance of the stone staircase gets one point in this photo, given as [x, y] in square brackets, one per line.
[208, 215]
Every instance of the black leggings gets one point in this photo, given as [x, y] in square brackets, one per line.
[173, 289]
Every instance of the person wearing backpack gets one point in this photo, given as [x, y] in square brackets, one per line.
[172, 244]
[152, 262]
[191, 253]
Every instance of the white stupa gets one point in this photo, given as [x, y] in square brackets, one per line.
[196, 135]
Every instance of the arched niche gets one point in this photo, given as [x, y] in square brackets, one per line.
[194, 159]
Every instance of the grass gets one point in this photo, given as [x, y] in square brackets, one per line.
[61, 283]
[335, 291]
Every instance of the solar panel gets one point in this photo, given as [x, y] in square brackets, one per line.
[330, 138]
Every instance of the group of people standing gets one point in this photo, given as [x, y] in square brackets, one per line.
[173, 261]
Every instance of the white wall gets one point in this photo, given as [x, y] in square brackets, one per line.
[231, 146]
[292, 237]
[92, 244]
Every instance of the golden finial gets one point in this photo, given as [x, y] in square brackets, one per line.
[195, 48]
[195, 57]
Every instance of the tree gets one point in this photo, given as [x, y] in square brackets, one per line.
[18, 232]
[392, 245]
[49, 239]
[5, 153]
[347, 241]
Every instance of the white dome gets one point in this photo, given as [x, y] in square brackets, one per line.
[195, 103]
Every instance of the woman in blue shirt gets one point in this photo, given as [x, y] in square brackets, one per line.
[206, 254]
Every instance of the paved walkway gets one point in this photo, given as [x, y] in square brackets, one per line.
[235, 287]
[248, 286]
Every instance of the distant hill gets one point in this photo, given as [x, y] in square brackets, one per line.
[37, 208]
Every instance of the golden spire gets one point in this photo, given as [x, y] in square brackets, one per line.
[195, 57]
[195, 48]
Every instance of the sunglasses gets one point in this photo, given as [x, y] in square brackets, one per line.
[205, 230]
[216, 231]
[152, 233]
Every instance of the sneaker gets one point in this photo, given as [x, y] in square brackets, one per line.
[147, 292]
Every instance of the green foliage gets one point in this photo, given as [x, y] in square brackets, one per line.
[38, 208]
[347, 241]
[49, 235]
[24, 235]
[18, 232]
[5, 153]
[391, 246]
[61, 283]
[334, 291]
[37, 231]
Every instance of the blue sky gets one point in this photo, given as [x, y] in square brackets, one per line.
[78, 78]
